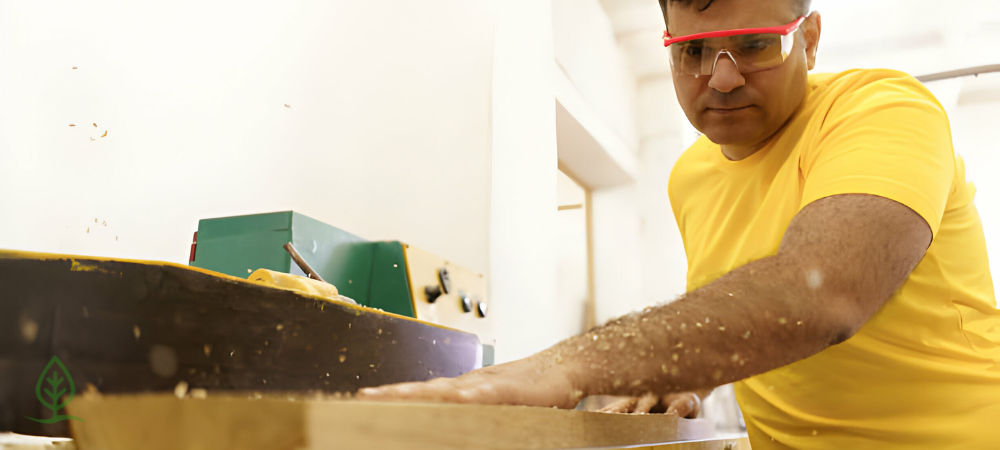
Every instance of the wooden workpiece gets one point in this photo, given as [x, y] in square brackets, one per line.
[218, 422]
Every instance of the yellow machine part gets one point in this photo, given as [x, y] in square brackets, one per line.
[294, 283]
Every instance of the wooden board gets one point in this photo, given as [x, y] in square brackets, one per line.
[159, 421]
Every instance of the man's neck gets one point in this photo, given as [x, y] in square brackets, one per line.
[741, 152]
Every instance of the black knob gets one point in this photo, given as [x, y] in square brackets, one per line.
[480, 307]
[466, 302]
[432, 292]
[444, 279]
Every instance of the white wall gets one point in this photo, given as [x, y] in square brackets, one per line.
[585, 48]
[388, 133]
[587, 52]
[428, 122]
[524, 205]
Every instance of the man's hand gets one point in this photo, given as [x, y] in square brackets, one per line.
[533, 381]
[684, 404]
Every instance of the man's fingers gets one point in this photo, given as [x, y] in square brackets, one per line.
[633, 405]
[623, 406]
[685, 404]
[409, 391]
[646, 403]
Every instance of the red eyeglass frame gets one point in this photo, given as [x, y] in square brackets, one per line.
[783, 30]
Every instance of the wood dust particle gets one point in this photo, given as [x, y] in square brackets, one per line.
[782, 321]
[746, 335]
[815, 432]
[663, 367]
[181, 389]
[95, 125]
[286, 105]
[722, 328]
[72, 125]
[343, 358]
[105, 133]
[136, 331]
[74, 67]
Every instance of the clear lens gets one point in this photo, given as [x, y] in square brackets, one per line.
[751, 52]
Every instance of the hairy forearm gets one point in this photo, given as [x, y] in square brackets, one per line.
[756, 318]
[840, 260]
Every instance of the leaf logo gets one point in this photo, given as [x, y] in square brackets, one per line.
[51, 377]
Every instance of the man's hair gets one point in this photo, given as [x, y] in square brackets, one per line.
[801, 5]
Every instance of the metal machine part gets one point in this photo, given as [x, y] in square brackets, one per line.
[388, 275]
[133, 326]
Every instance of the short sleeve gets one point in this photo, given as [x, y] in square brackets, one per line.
[887, 136]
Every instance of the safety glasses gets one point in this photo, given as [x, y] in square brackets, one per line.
[751, 49]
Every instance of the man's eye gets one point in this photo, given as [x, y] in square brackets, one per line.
[692, 50]
[753, 46]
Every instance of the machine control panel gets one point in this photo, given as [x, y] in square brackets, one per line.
[448, 294]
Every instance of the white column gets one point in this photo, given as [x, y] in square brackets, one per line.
[524, 163]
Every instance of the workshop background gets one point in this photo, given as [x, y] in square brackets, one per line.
[528, 140]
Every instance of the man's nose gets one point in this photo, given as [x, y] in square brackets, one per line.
[726, 76]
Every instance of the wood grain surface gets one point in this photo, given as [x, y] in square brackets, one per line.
[218, 422]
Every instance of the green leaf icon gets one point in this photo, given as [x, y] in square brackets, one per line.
[54, 391]
[54, 367]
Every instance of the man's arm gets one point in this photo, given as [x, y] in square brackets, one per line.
[841, 258]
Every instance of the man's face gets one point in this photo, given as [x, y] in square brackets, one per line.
[743, 110]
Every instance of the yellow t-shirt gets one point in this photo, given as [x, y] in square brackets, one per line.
[924, 372]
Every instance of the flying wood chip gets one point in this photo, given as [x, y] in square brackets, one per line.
[105, 133]
[286, 105]
[72, 125]
[95, 125]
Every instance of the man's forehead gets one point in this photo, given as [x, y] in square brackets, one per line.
[701, 16]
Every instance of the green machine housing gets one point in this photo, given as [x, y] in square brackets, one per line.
[371, 273]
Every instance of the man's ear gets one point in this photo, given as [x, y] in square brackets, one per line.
[811, 30]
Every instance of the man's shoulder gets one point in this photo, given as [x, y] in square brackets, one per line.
[871, 84]
[697, 154]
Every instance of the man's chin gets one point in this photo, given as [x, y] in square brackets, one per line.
[728, 135]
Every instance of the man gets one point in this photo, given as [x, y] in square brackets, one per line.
[837, 265]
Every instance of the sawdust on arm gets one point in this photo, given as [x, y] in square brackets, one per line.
[841, 258]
